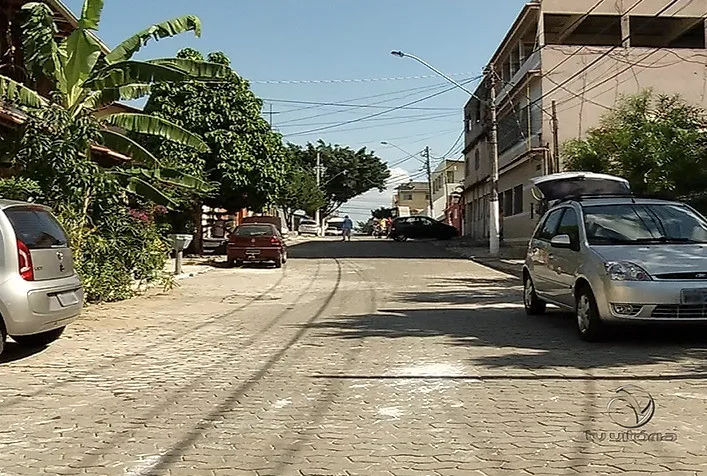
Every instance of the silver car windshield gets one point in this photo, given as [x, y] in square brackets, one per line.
[643, 223]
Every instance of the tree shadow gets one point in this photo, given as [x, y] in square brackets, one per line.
[545, 342]
[368, 248]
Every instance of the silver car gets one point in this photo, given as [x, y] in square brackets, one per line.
[40, 293]
[611, 257]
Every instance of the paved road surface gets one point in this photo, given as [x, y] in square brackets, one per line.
[369, 358]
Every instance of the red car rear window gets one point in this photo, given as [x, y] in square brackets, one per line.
[255, 230]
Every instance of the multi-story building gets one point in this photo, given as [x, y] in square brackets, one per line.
[414, 197]
[574, 58]
[448, 175]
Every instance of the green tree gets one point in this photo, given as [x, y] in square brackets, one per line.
[299, 190]
[656, 142]
[347, 173]
[86, 80]
[382, 212]
[245, 159]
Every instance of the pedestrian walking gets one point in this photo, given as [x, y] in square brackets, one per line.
[346, 228]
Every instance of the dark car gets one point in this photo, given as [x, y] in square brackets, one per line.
[256, 242]
[421, 228]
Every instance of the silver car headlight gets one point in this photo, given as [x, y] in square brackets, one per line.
[626, 271]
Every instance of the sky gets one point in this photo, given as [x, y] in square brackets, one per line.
[295, 52]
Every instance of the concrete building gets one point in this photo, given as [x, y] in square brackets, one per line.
[576, 57]
[413, 196]
[448, 175]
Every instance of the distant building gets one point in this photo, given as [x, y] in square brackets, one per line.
[414, 196]
[448, 175]
[580, 56]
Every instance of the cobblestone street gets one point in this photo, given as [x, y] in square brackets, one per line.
[367, 358]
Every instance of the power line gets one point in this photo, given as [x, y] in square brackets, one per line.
[375, 106]
[373, 96]
[361, 80]
[375, 114]
[416, 117]
[316, 116]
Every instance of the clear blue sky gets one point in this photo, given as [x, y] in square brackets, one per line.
[313, 40]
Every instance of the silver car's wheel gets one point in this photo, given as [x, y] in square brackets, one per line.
[533, 304]
[589, 324]
[3, 337]
[583, 314]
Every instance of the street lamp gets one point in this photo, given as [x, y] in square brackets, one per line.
[494, 231]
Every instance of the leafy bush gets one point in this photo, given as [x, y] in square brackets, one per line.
[114, 244]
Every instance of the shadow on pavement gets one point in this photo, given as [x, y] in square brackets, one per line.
[549, 341]
[14, 352]
[365, 248]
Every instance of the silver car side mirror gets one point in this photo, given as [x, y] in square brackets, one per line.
[561, 241]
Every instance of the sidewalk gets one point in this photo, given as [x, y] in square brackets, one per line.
[509, 261]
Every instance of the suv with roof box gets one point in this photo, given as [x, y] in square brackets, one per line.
[40, 292]
[610, 257]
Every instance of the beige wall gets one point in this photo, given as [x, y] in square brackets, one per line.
[582, 101]
[419, 200]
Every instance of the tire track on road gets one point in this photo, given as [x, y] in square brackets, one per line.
[177, 450]
[239, 351]
[331, 391]
[143, 351]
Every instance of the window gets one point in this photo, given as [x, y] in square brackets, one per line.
[36, 228]
[501, 205]
[477, 159]
[450, 176]
[508, 202]
[629, 223]
[518, 200]
[427, 196]
[407, 196]
[255, 230]
[569, 225]
[549, 226]
[478, 113]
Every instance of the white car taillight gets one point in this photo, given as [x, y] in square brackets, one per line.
[25, 261]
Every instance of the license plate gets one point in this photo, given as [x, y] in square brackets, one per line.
[694, 296]
[252, 252]
[67, 299]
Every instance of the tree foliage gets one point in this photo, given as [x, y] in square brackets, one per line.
[382, 212]
[113, 245]
[245, 156]
[86, 80]
[657, 142]
[346, 173]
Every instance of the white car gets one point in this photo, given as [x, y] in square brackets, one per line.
[308, 227]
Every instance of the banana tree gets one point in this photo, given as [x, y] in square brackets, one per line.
[86, 79]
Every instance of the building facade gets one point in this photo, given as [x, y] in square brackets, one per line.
[448, 175]
[414, 197]
[562, 65]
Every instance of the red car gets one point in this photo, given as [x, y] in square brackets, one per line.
[256, 242]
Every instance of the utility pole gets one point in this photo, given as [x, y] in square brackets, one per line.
[494, 225]
[429, 179]
[317, 216]
[270, 116]
[555, 140]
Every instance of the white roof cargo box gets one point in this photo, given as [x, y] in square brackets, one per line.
[575, 184]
